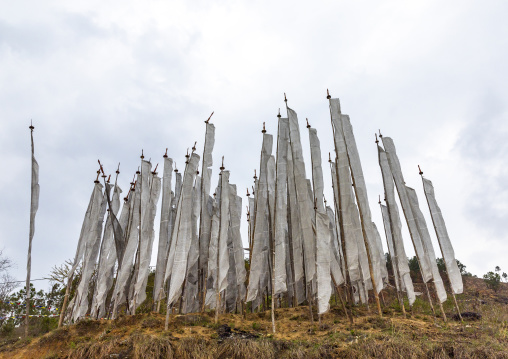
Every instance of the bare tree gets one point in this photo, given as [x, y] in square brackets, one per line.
[7, 282]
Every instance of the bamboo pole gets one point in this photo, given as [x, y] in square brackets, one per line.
[217, 291]
[30, 235]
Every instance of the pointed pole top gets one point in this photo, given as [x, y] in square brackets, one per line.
[379, 199]
[109, 178]
[133, 182]
[420, 171]
[142, 155]
[264, 129]
[97, 179]
[329, 157]
[380, 135]
[285, 98]
[278, 115]
[31, 127]
[255, 176]
[248, 194]
[222, 167]
[194, 147]
[176, 169]
[209, 117]
[118, 169]
[253, 190]
[155, 169]
[324, 199]
[328, 94]
[306, 119]
[138, 172]
[377, 141]
[166, 154]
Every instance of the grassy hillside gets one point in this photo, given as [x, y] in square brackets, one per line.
[419, 335]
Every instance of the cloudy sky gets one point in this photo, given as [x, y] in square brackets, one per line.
[107, 79]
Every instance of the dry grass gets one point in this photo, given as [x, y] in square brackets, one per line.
[418, 336]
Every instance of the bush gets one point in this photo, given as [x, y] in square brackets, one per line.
[492, 280]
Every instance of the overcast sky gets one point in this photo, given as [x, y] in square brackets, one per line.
[107, 79]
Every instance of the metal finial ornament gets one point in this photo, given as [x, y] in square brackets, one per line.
[324, 199]
[285, 99]
[118, 169]
[97, 179]
[109, 178]
[278, 115]
[377, 141]
[155, 169]
[197, 172]
[187, 156]
[255, 177]
[166, 154]
[329, 157]
[209, 117]
[142, 155]
[222, 167]
[31, 127]
[264, 129]
[379, 199]
[194, 147]
[308, 126]
[138, 171]
[328, 94]
[248, 194]
[380, 135]
[420, 170]
[253, 190]
[133, 178]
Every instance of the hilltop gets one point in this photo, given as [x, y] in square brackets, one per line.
[419, 335]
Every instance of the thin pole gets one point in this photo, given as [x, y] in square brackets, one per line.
[31, 233]
[217, 292]
[442, 253]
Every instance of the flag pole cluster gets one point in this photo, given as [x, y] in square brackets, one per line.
[301, 248]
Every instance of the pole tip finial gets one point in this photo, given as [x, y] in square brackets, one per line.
[278, 115]
[329, 157]
[377, 141]
[253, 193]
[31, 127]
[255, 176]
[328, 94]
[379, 199]
[166, 154]
[142, 155]
[155, 169]
[248, 194]
[118, 169]
[380, 135]
[109, 178]
[264, 129]
[285, 98]
[222, 167]
[194, 147]
[306, 119]
[209, 117]
[420, 170]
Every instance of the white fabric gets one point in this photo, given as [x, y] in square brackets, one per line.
[107, 260]
[302, 196]
[398, 178]
[34, 206]
[389, 241]
[90, 258]
[335, 260]
[131, 236]
[396, 226]
[223, 231]
[147, 235]
[324, 289]
[379, 246]
[281, 212]
[363, 202]
[444, 240]
[212, 258]
[427, 243]
[295, 233]
[259, 268]
[235, 208]
[182, 231]
[164, 233]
